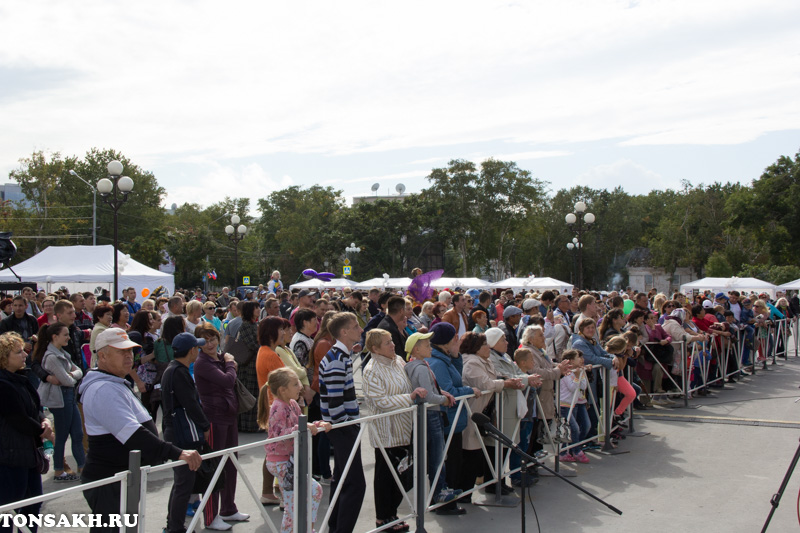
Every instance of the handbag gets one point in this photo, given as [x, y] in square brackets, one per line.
[241, 353]
[203, 475]
[402, 461]
[246, 399]
[42, 462]
[490, 412]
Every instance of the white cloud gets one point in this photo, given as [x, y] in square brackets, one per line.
[250, 180]
[633, 177]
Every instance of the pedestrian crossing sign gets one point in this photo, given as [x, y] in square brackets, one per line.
[348, 270]
[245, 280]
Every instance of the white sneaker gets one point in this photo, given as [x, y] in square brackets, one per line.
[219, 524]
[238, 517]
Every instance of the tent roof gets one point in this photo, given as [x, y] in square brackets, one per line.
[791, 286]
[76, 264]
[390, 283]
[532, 283]
[335, 283]
[722, 284]
[464, 283]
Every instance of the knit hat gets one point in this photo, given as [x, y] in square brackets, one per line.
[443, 332]
[493, 335]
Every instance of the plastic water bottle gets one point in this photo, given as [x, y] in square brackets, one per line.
[48, 449]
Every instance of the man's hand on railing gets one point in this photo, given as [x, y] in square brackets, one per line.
[514, 383]
[419, 392]
[476, 392]
[192, 458]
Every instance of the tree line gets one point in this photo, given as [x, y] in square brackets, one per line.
[490, 220]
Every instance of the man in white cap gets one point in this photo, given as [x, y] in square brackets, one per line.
[117, 423]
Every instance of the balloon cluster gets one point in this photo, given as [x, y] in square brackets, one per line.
[310, 273]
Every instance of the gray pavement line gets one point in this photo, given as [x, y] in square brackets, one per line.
[795, 396]
[722, 420]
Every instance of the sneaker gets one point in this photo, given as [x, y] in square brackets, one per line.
[447, 495]
[219, 525]
[529, 481]
[581, 457]
[190, 510]
[236, 517]
[65, 476]
[568, 458]
[270, 500]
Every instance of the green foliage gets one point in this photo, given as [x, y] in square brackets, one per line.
[775, 274]
[718, 266]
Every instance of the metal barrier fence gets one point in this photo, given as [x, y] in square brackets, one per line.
[134, 481]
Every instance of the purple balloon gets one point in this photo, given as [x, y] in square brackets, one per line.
[325, 276]
[310, 273]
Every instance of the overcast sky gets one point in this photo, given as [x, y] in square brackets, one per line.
[243, 98]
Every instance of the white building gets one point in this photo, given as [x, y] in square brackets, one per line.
[642, 277]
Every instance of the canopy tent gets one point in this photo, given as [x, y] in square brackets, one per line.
[730, 284]
[791, 286]
[464, 283]
[533, 283]
[380, 283]
[335, 283]
[87, 268]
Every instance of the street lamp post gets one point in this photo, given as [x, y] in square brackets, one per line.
[580, 222]
[352, 249]
[94, 206]
[114, 190]
[236, 233]
[573, 247]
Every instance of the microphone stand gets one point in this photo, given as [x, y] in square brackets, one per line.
[526, 459]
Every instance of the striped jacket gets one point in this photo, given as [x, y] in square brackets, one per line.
[387, 388]
[337, 393]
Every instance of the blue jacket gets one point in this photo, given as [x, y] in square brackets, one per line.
[448, 376]
[593, 354]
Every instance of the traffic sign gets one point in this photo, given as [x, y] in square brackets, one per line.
[348, 270]
[346, 261]
[245, 280]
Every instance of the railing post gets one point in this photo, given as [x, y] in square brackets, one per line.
[684, 380]
[134, 483]
[302, 474]
[421, 464]
[608, 417]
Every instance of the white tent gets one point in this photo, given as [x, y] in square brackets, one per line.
[380, 283]
[730, 284]
[85, 268]
[533, 283]
[335, 283]
[791, 286]
[464, 283]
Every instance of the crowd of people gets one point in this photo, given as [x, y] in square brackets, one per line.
[105, 372]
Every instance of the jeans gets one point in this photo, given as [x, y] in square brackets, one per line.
[436, 450]
[68, 425]
[525, 430]
[579, 424]
[19, 483]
